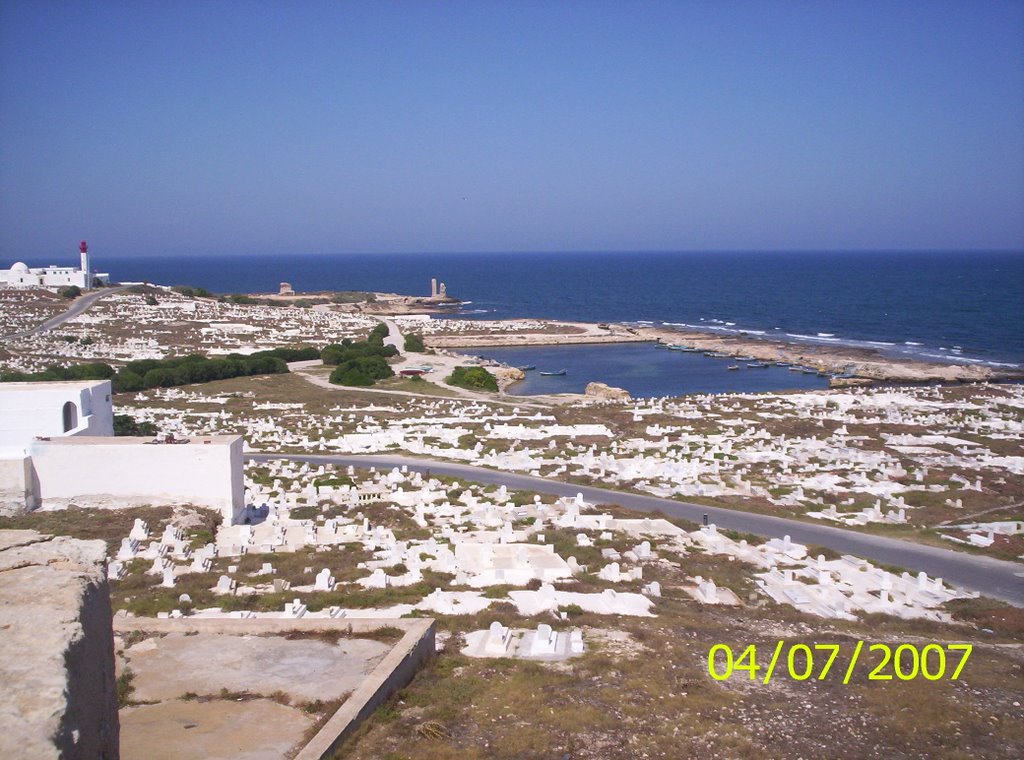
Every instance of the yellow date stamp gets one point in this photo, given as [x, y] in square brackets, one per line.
[801, 662]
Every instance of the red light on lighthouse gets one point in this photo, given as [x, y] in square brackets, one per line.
[83, 247]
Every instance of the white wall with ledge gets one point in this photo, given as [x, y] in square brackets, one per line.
[52, 409]
[121, 472]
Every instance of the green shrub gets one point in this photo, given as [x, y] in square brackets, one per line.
[346, 375]
[414, 343]
[125, 424]
[473, 378]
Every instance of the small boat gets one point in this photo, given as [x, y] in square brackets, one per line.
[809, 371]
[733, 366]
[527, 367]
[553, 374]
[781, 364]
[675, 347]
[690, 350]
[757, 365]
[746, 358]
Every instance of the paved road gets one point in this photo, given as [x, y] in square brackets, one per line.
[77, 307]
[995, 578]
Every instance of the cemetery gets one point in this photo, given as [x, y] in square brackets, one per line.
[829, 456]
[276, 593]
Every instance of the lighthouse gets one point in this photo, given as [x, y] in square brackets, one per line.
[84, 250]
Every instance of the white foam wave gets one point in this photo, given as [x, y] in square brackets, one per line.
[800, 336]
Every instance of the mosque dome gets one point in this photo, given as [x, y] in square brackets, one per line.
[19, 266]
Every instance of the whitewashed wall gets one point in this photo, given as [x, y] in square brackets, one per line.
[121, 472]
[28, 410]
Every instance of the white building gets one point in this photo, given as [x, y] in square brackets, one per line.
[57, 447]
[28, 410]
[21, 276]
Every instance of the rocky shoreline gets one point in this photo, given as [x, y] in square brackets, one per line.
[858, 366]
[846, 365]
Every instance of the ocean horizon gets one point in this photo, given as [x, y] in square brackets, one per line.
[955, 306]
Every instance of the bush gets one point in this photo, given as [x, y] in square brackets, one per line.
[347, 375]
[71, 291]
[166, 373]
[414, 343]
[93, 371]
[189, 292]
[361, 371]
[301, 354]
[339, 354]
[379, 333]
[127, 381]
[473, 378]
[125, 424]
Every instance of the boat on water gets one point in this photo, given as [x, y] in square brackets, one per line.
[690, 349]
[781, 364]
[746, 358]
[809, 371]
[794, 369]
[757, 365]
[733, 366]
[553, 374]
[527, 367]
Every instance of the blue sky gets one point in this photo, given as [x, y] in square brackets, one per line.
[227, 127]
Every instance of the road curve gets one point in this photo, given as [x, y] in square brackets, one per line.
[80, 304]
[998, 579]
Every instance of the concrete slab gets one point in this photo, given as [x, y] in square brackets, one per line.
[256, 729]
[204, 663]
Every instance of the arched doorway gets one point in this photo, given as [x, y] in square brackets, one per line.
[70, 416]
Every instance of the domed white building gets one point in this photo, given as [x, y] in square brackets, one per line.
[20, 275]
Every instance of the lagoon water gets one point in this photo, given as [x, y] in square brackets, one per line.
[643, 370]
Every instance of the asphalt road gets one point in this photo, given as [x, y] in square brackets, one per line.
[80, 304]
[992, 577]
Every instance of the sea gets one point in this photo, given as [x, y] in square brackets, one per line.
[957, 306]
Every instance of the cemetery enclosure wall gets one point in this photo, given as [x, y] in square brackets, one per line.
[120, 472]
